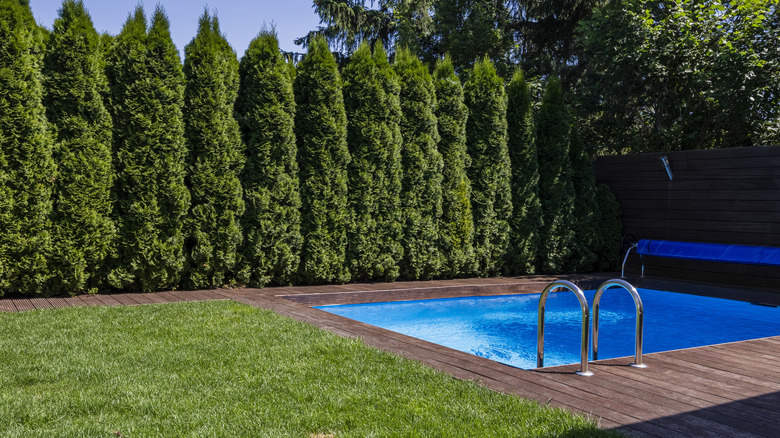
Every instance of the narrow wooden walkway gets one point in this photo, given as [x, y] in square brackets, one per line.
[727, 390]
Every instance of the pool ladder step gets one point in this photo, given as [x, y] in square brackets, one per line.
[585, 335]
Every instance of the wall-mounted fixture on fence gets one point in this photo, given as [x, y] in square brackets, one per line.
[665, 161]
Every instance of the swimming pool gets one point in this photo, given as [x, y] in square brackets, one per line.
[503, 328]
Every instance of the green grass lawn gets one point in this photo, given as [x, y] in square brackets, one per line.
[226, 369]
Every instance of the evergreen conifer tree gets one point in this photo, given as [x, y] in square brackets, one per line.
[587, 216]
[147, 93]
[490, 172]
[526, 222]
[82, 230]
[610, 229]
[556, 189]
[215, 157]
[27, 170]
[457, 223]
[372, 104]
[323, 160]
[421, 193]
[265, 110]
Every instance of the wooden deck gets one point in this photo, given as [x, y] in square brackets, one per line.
[727, 390]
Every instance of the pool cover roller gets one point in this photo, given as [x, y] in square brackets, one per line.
[712, 252]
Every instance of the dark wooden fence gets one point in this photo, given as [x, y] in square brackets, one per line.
[715, 196]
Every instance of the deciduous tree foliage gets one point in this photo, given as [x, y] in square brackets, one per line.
[147, 93]
[265, 110]
[456, 228]
[421, 188]
[27, 171]
[681, 75]
[527, 219]
[82, 230]
[374, 138]
[215, 159]
[556, 189]
[490, 172]
[323, 160]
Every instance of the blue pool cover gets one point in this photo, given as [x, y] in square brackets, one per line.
[713, 252]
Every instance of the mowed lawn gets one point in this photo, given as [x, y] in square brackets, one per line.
[226, 369]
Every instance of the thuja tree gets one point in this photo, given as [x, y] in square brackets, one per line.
[610, 229]
[27, 171]
[265, 110]
[82, 229]
[421, 191]
[526, 221]
[323, 159]
[215, 157]
[556, 189]
[490, 171]
[456, 228]
[587, 216]
[147, 93]
[373, 135]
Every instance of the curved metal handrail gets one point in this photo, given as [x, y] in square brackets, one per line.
[563, 284]
[639, 319]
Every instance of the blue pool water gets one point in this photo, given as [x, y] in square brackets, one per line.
[503, 328]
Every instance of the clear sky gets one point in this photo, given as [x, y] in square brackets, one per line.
[240, 20]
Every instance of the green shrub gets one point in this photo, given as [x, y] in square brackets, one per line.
[556, 189]
[372, 104]
[147, 93]
[527, 219]
[265, 110]
[27, 170]
[456, 228]
[82, 230]
[490, 172]
[421, 192]
[586, 219]
[323, 159]
[610, 229]
[215, 158]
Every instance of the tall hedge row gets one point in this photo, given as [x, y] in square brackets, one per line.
[265, 110]
[83, 233]
[121, 169]
[215, 158]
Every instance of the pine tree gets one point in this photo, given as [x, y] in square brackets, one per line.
[421, 193]
[27, 171]
[373, 134]
[323, 160]
[265, 110]
[215, 157]
[490, 172]
[147, 93]
[83, 232]
[526, 222]
[556, 189]
[587, 216]
[457, 223]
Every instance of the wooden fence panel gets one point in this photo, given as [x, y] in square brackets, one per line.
[729, 196]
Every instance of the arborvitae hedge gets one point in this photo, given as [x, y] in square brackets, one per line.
[555, 185]
[373, 135]
[490, 171]
[610, 229]
[323, 159]
[421, 193]
[215, 158]
[587, 216]
[456, 228]
[147, 93]
[27, 171]
[265, 110]
[83, 232]
[527, 219]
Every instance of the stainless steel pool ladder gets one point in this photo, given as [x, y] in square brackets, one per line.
[639, 319]
[566, 285]
[623, 269]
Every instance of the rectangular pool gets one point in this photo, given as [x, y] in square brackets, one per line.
[503, 328]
